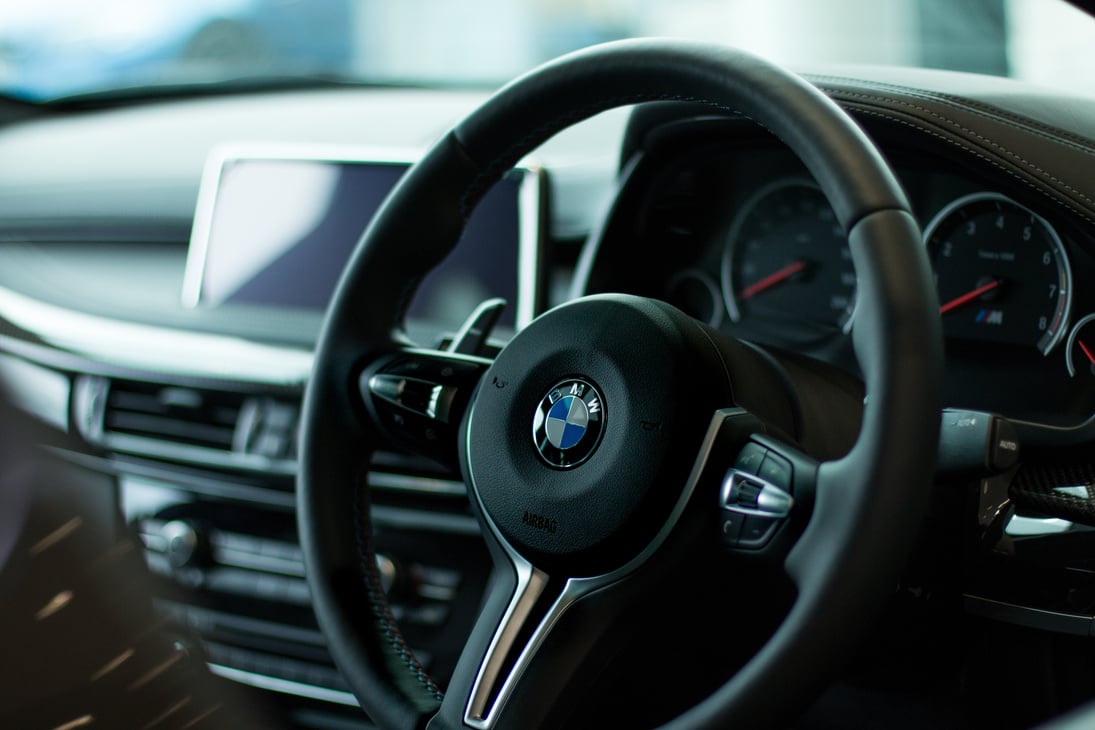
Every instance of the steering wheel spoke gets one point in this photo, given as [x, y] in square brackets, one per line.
[520, 622]
[417, 398]
[514, 637]
[538, 644]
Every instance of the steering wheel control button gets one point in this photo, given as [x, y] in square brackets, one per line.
[567, 424]
[752, 507]
[732, 522]
[1005, 445]
[756, 531]
[751, 457]
[746, 492]
[420, 398]
[776, 470]
[423, 387]
[774, 501]
[750, 494]
[975, 442]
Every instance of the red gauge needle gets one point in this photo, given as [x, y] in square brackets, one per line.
[969, 296]
[1086, 351]
[772, 279]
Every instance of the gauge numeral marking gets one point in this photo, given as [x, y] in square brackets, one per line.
[1002, 273]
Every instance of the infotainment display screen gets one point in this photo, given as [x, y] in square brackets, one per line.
[275, 226]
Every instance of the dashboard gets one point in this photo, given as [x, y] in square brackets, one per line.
[192, 412]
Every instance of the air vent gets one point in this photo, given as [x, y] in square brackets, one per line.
[180, 415]
[199, 425]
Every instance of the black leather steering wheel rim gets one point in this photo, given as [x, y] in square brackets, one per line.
[850, 554]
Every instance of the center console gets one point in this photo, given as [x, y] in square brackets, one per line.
[230, 576]
[205, 459]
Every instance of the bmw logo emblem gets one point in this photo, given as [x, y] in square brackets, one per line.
[567, 425]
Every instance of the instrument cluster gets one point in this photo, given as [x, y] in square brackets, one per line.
[746, 241]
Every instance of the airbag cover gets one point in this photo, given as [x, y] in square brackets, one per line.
[599, 407]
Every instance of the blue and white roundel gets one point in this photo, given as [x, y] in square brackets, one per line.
[567, 425]
[566, 422]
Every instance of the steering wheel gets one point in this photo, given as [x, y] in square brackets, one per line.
[614, 439]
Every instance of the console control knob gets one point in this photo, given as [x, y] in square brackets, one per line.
[184, 545]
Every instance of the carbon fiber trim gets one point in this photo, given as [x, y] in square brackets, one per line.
[1042, 488]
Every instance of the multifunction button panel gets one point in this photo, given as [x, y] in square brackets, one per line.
[756, 497]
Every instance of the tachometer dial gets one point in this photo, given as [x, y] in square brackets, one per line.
[787, 258]
[1002, 273]
[1080, 349]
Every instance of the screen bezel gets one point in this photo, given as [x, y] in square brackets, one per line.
[530, 213]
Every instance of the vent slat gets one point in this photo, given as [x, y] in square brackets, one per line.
[169, 428]
[136, 402]
[169, 413]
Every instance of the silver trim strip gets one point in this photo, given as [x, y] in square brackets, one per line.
[1020, 526]
[385, 481]
[574, 590]
[150, 447]
[284, 686]
[157, 349]
[530, 586]
[133, 478]
[40, 391]
[1037, 618]
[528, 242]
[234, 558]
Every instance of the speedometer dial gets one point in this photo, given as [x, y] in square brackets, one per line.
[787, 258]
[1002, 273]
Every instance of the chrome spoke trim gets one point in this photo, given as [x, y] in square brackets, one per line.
[479, 712]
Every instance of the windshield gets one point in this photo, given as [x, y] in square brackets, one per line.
[56, 48]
